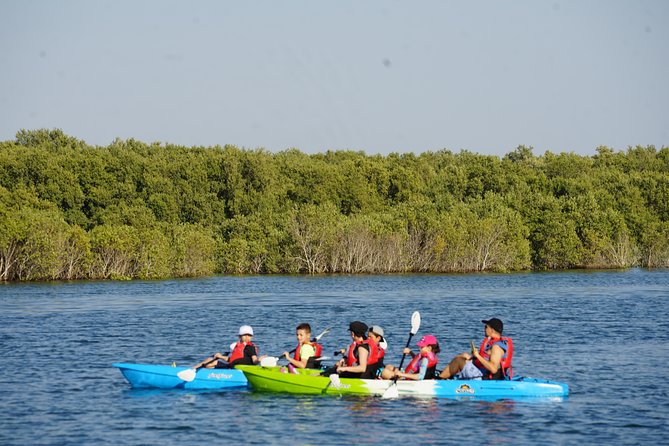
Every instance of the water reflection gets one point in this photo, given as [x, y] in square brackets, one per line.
[502, 407]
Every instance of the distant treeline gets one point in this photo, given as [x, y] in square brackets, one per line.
[135, 210]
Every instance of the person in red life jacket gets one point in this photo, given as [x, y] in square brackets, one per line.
[491, 361]
[376, 335]
[422, 366]
[361, 356]
[242, 352]
[306, 351]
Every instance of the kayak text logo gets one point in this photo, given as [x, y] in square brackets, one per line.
[219, 376]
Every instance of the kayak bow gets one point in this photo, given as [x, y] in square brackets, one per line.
[165, 377]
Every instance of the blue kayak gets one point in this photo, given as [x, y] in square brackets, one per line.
[166, 377]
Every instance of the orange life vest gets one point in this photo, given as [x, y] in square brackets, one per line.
[352, 357]
[238, 352]
[317, 347]
[505, 363]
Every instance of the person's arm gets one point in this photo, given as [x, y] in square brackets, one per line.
[306, 352]
[363, 354]
[492, 364]
[415, 376]
[251, 352]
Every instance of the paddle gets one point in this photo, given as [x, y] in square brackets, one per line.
[391, 391]
[334, 382]
[272, 361]
[188, 375]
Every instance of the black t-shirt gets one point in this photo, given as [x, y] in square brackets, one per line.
[249, 353]
[247, 359]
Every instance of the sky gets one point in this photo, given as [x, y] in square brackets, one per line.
[375, 76]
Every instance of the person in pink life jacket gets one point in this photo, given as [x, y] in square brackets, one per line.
[422, 366]
[491, 361]
[242, 352]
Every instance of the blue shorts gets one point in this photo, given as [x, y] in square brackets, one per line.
[470, 371]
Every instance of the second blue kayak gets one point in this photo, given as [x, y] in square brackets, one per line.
[165, 377]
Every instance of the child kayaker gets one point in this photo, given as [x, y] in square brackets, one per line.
[422, 366]
[243, 352]
[306, 351]
[376, 335]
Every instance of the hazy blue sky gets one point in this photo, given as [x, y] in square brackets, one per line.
[379, 76]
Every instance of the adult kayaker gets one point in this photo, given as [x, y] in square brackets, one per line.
[361, 356]
[243, 352]
[491, 361]
[306, 350]
[422, 366]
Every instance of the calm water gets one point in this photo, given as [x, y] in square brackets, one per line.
[604, 333]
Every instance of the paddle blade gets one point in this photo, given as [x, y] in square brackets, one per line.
[187, 375]
[415, 322]
[334, 381]
[269, 361]
[323, 333]
[391, 392]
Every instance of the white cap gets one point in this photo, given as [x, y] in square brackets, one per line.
[245, 330]
[376, 329]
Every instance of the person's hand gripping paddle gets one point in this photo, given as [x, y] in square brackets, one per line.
[188, 375]
[392, 392]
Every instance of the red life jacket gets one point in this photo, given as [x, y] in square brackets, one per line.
[505, 363]
[414, 365]
[238, 352]
[376, 351]
[316, 346]
[352, 357]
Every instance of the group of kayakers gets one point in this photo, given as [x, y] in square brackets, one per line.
[364, 357]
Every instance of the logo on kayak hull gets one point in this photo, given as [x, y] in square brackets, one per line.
[465, 388]
[219, 376]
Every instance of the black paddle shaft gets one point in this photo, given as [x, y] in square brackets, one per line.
[407, 346]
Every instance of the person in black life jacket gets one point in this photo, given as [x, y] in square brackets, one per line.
[361, 356]
[306, 351]
[243, 352]
[491, 361]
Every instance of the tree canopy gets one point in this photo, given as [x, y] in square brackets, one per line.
[69, 210]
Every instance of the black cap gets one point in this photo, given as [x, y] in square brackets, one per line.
[359, 328]
[495, 324]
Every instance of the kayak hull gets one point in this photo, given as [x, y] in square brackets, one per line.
[145, 376]
[272, 379]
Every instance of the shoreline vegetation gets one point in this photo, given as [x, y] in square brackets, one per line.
[133, 210]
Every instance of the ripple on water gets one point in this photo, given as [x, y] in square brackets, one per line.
[59, 340]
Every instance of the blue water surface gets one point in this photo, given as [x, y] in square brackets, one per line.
[606, 334]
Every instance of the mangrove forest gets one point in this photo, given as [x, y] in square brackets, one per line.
[136, 210]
